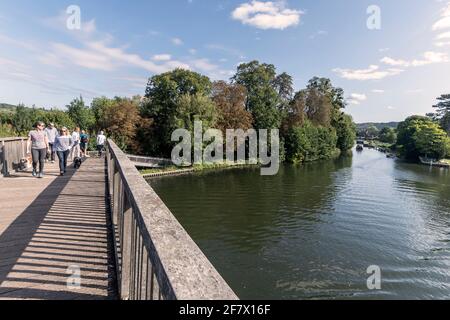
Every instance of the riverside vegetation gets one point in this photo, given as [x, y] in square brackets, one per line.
[311, 121]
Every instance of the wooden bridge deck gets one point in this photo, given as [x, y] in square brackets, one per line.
[52, 227]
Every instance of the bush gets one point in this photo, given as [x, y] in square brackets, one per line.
[309, 143]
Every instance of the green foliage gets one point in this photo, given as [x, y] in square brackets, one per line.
[23, 120]
[99, 108]
[420, 136]
[432, 141]
[263, 99]
[6, 131]
[346, 133]
[163, 95]
[193, 108]
[81, 115]
[309, 143]
[387, 135]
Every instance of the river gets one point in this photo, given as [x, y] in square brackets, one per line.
[312, 231]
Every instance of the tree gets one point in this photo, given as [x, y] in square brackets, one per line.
[161, 110]
[443, 107]
[283, 84]
[196, 107]
[419, 135]
[80, 114]
[295, 114]
[431, 141]
[121, 120]
[263, 99]
[346, 133]
[23, 120]
[372, 131]
[387, 135]
[99, 107]
[309, 143]
[230, 105]
[442, 114]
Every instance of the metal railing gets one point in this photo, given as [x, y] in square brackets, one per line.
[156, 259]
[12, 150]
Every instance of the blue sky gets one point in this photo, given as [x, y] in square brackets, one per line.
[387, 74]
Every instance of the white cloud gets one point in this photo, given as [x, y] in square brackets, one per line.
[442, 44]
[373, 72]
[98, 56]
[378, 91]
[444, 21]
[267, 15]
[429, 57]
[356, 98]
[161, 57]
[177, 41]
[393, 62]
[204, 65]
[445, 35]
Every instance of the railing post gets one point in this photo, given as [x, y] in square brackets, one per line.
[126, 239]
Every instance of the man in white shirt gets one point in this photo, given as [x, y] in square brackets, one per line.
[51, 134]
[101, 139]
[75, 152]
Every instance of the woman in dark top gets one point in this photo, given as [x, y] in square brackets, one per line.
[37, 145]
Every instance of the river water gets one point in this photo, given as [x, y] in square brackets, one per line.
[312, 231]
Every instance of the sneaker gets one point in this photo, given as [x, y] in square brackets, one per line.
[53, 161]
[34, 173]
[61, 174]
[40, 175]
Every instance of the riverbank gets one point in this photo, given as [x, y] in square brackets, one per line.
[175, 170]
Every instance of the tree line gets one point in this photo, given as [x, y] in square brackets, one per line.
[311, 121]
[417, 136]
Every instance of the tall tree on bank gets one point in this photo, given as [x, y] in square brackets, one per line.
[120, 120]
[230, 104]
[81, 114]
[420, 136]
[443, 111]
[345, 129]
[263, 99]
[163, 94]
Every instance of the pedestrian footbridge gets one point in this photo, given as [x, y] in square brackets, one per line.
[99, 232]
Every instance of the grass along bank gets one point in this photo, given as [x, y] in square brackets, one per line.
[172, 169]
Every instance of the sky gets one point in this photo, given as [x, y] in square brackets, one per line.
[392, 60]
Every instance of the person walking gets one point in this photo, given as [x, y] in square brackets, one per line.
[75, 152]
[63, 145]
[84, 142]
[51, 134]
[101, 139]
[37, 146]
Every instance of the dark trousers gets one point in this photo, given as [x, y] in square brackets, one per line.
[63, 156]
[51, 152]
[38, 156]
[100, 148]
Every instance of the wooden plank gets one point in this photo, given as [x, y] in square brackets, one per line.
[52, 228]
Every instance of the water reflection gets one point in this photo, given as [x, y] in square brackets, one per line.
[312, 231]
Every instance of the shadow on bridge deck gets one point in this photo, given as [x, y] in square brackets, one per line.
[61, 228]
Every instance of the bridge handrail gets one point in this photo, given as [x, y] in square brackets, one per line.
[12, 150]
[155, 257]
